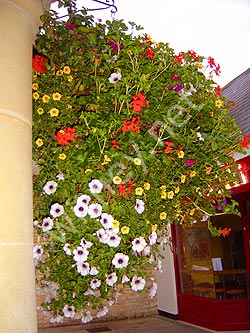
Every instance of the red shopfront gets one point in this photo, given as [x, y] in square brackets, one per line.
[213, 273]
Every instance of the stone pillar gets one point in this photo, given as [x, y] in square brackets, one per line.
[19, 20]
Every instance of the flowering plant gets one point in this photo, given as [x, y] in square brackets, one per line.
[128, 138]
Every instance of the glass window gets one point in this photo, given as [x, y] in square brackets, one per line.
[213, 267]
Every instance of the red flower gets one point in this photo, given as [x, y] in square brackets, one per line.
[138, 102]
[114, 144]
[149, 53]
[125, 189]
[211, 62]
[64, 136]
[180, 57]
[225, 232]
[190, 162]
[218, 90]
[169, 145]
[244, 169]
[244, 142]
[193, 55]
[131, 125]
[39, 64]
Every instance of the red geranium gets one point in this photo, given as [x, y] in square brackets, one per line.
[66, 135]
[39, 64]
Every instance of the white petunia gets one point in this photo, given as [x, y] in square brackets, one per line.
[125, 279]
[86, 317]
[82, 268]
[120, 260]
[102, 312]
[111, 279]
[137, 283]
[56, 210]
[81, 210]
[152, 238]
[50, 187]
[56, 319]
[139, 244]
[101, 234]
[85, 244]
[107, 220]
[47, 224]
[95, 210]
[93, 271]
[68, 311]
[153, 290]
[146, 251]
[67, 249]
[37, 252]
[60, 176]
[139, 206]
[115, 77]
[80, 254]
[83, 199]
[95, 283]
[113, 239]
[199, 136]
[95, 186]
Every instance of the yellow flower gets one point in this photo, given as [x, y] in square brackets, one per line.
[56, 96]
[154, 227]
[163, 188]
[70, 78]
[40, 111]
[208, 170]
[180, 154]
[117, 180]
[107, 158]
[170, 195]
[39, 142]
[125, 230]
[146, 186]
[46, 98]
[191, 212]
[218, 103]
[163, 216]
[54, 112]
[66, 70]
[59, 72]
[192, 174]
[88, 170]
[211, 114]
[163, 195]
[62, 156]
[36, 95]
[197, 189]
[69, 106]
[177, 190]
[183, 178]
[139, 191]
[116, 224]
[34, 86]
[137, 161]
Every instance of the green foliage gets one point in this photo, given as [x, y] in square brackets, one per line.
[146, 123]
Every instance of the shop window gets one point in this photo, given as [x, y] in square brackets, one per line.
[213, 267]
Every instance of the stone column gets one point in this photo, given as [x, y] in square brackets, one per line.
[19, 20]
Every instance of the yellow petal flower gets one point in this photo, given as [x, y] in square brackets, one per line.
[70, 78]
[147, 186]
[180, 154]
[163, 195]
[88, 170]
[170, 195]
[125, 230]
[54, 112]
[139, 191]
[66, 70]
[183, 178]
[218, 103]
[46, 98]
[177, 190]
[62, 156]
[56, 96]
[154, 227]
[40, 111]
[115, 224]
[35, 95]
[34, 86]
[39, 142]
[117, 180]
[163, 216]
[191, 212]
[192, 174]
[59, 72]
[107, 158]
[137, 161]
[163, 188]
